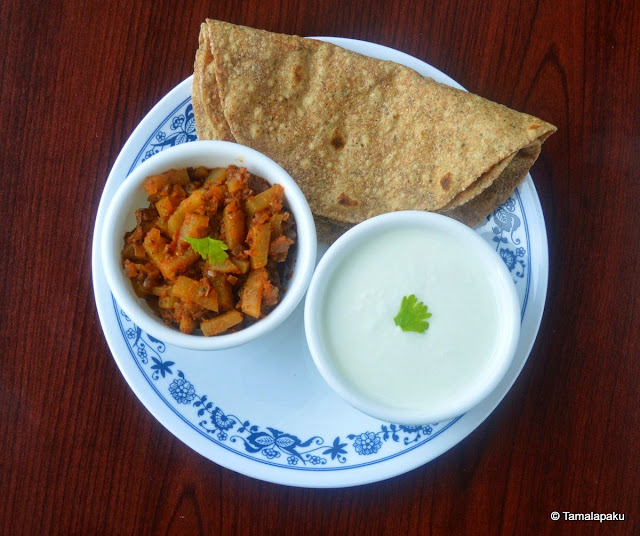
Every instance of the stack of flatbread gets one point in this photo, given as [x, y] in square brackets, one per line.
[360, 136]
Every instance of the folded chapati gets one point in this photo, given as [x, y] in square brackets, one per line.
[360, 136]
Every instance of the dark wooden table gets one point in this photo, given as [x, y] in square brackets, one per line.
[81, 455]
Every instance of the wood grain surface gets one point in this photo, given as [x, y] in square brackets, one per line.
[79, 454]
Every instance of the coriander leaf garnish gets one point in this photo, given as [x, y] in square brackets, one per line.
[412, 315]
[209, 249]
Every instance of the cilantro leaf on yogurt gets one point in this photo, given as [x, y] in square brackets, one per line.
[413, 315]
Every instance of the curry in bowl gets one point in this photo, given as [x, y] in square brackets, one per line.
[209, 254]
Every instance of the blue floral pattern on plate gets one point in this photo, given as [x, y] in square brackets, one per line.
[507, 231]
[182, 129]
[241, 434]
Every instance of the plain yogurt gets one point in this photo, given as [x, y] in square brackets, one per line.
[446, 364]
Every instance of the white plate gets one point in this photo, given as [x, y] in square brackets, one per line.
[262, 409]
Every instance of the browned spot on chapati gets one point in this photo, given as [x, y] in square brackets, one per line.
[346, 201]
[337, 140]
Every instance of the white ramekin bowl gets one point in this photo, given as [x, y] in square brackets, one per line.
[130, 196]
[478, 256]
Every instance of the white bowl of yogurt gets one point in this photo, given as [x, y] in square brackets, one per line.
[412, 318]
